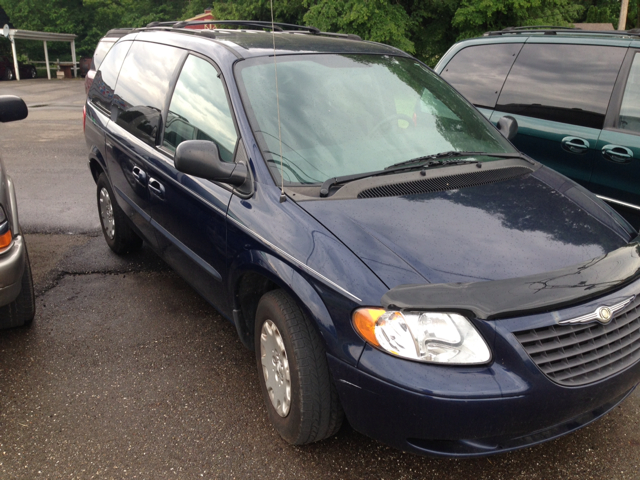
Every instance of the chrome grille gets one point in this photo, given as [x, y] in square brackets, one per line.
[585, 353]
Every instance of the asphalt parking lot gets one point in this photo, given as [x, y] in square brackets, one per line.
[128, 373]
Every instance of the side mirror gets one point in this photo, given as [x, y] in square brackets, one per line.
[508, 126]
[201, 158]
[12, 108]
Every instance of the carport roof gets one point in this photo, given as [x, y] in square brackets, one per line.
[42, 36]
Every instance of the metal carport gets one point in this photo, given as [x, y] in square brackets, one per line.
[14, 34]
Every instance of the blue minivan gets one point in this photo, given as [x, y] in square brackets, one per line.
[387, 253]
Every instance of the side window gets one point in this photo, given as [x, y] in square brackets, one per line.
[143, 87]
[101, 92]
[563, 83]
[478, 72]
[629, 118]
[199, 109]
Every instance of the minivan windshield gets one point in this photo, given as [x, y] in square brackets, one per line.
[351, 114]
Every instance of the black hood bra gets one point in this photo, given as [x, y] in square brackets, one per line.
[528, 295]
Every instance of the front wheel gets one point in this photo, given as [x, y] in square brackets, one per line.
[301, 399]
[117, 232]
[8, 74]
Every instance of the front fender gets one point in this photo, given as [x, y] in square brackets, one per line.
[322, 305]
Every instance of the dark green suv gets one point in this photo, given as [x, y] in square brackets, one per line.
[575, 95]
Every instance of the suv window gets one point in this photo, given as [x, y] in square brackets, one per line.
[478, 72]
[101, 92]
[629, 118]
[143, 87]
[199, 109]
[562, 83]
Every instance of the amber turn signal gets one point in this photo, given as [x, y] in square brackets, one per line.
[364, 321]
[5, 239]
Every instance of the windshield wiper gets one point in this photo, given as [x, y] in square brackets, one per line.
[422, 162]
[452, 154]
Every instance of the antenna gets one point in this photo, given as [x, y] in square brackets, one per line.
[283, 197]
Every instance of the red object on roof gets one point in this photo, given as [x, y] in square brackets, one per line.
[203, 17]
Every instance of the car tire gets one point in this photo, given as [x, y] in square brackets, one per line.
[8, 74]
[33, 73]
[21, 311]
[116, 230]
[290, 353]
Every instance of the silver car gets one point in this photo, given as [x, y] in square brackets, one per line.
[17, 299]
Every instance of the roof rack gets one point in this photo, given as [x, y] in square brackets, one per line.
[553, 30]
[256, 24]
[277, 26]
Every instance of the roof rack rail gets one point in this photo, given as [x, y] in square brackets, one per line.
[540, 27]
[562, 30]
[277, 26]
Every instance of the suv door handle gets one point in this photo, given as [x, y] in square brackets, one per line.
[617, 153]
[156, 188]
[139, 174]
[575, 145]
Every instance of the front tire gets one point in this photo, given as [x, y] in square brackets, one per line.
[21, 311]
[117, 232]
[8, 74]
[298, 391]
[33, 73]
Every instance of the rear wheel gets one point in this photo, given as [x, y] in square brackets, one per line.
[21, 311]
[117, 232]
[8, 74]
[33, 73]
[301, 399]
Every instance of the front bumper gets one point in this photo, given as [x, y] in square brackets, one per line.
[12, 264]
[475, 411]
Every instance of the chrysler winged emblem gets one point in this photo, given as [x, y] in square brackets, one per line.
[603, 314]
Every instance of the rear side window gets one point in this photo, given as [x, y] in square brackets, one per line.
[199, 109]
[143, 87]
[101, 92]
[478, 72]
[562, 83]
[629, 118]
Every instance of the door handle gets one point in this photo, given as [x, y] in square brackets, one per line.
[575, 145]
[139, 174]
[156, 188]
[617, 153]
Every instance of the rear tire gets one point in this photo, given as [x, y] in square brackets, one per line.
[8, 74]
[33, 73]
[116, 230]
[291, 353]
[21, 311]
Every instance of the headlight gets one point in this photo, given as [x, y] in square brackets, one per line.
[433, 337]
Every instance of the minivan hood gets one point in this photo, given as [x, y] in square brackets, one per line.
[537, 223]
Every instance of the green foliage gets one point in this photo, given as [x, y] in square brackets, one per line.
[477, 16]
[425, 28]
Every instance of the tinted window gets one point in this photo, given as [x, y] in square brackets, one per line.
[143, 87]
[629, 118]
[479, 72]
[101, 92]
[199, 109]
[563, 83]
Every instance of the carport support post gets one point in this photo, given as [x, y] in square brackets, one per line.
[46, 59]
[15, 58]
[73, 58]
